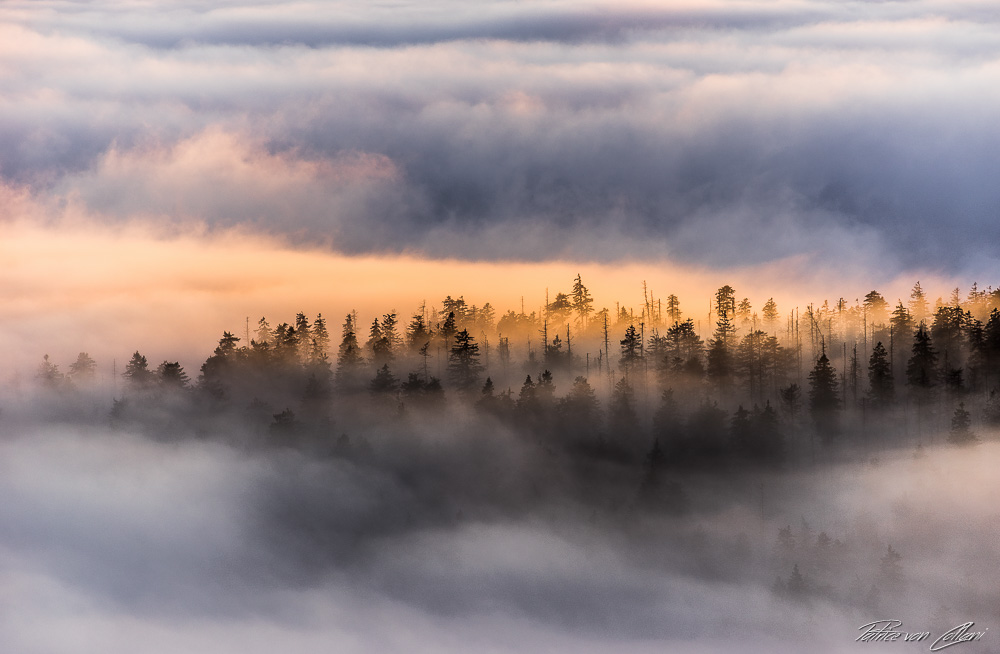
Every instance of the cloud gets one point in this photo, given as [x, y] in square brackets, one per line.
[125, 542]
[706, 134]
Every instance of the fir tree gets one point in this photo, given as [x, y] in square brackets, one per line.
[631, 350]
[83, 369]
[417, 334]
[137, 374]
[919, 309]
[320, 339]
[880, 377]
[770, 314]
[348, 354]
[172, 375]
[961, 427]
[824, 399]
[464, 367]
[48, 373]
[384, 383]
[921, 369]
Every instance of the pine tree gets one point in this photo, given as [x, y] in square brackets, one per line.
[48, 373]
[631, 350]
[961, 427]
[448, 329]
[137, 373]
[579, 410]
[83, 369]
[901, 323]
[684, 350]
[880, 377]
[172, 375]
[673, 309]
[824, 399]
[622, 418]
[390, 332]
[743, 313]
[720, 353]
[320, 339]
[876, 307]
[384, 383]
[921, 369]
[303, 330]
[263, 334]
[348, 354]
[464, 367]
[582, 302]
[770, 314]
[919, 308]
[417, 334]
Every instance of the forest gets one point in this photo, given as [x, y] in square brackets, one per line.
[734, 385]
[704, 445]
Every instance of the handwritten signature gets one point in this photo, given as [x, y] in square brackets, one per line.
[887, 631]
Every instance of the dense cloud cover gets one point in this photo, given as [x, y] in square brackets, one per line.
[112, 541]
[719, 133]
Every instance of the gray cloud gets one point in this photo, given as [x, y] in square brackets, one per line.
[703, 135]
[115, 541]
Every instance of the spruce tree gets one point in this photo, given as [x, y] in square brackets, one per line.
[464, 368]
[824, 399]
[921, 369]
[631, 350]
[137, 374]
[770, 314]
[961, 427]
[582, 302]
[348, 354]
[83, 369]
[880, 377]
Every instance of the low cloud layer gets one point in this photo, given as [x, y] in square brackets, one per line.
[705, 133]
[117, 542]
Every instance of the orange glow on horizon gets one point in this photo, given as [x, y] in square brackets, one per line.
[110, 291]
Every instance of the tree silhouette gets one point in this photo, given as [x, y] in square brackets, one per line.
[320, 339]
[48, 373]
[464, 368]
[137, 374]
[348, 354]
[622, 418]
[83, 369]
[918, 304]
[880, 377]
[172, 375]
[384, 383]
[631, 350]
[770, 313]
[921, 369]
[961, 427]
[582, 302]
[417, 334]
[824, 400]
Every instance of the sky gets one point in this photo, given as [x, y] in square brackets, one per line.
[821, 147]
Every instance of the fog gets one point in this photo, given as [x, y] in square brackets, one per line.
[438, 535]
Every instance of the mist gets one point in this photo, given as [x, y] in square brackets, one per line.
[435, 538]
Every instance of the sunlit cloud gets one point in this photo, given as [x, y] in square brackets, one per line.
[556, 125]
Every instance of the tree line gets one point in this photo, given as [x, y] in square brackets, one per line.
[653, 385]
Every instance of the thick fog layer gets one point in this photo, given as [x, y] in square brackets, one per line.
[427, 537]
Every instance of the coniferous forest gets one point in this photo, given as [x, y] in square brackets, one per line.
[693, 444]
